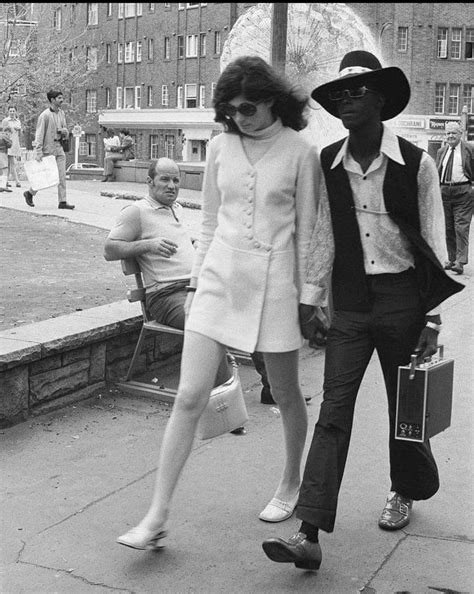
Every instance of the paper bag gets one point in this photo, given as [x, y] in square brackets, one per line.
[42, 174]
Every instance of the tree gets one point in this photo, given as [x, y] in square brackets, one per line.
[31, 63]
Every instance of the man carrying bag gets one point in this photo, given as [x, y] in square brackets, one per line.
[51, 132]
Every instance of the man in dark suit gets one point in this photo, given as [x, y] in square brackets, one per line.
[455, 163]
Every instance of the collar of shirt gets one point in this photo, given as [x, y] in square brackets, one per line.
[174, 208]
[389, 147]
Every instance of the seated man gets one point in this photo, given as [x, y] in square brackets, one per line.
[123, 152]
[151, 231]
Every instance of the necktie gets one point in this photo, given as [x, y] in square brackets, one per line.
[448, 170]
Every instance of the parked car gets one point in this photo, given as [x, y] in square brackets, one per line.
[86, 167]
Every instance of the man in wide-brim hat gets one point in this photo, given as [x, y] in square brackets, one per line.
[380, 238]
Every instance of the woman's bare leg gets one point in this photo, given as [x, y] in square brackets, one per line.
[282, 370]
[199, 362]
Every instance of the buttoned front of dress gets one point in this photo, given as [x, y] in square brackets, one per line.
[257, 221]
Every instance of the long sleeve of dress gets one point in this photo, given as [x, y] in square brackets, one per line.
[210, 207]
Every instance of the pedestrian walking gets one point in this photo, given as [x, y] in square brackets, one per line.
[381, 225]
[13, 122]
[51, 132]
[455, 162]
[257, 215]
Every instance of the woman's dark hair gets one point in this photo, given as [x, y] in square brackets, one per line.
[254, 79]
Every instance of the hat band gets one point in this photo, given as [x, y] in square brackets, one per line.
[354, 70]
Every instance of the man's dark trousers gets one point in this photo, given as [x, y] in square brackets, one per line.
[458, 202]
[392, 328]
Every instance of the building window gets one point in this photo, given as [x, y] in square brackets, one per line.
[213, 90]
[129, 52]
[468, 98]
[108, 53]
[217, 42]
[154, 145]
[149, 96]
[440, 98]
[165, 96]
[180, 46]
[109, 8]
[57, 63]
[139, 51]
[128, 97]
[151, 49]
[138, 97]
[108, 98]
[120, 10]
[132, 8]
[191, 46]
[456, 44]
[57, 19]
[442, 47]
[151, 7]
[169, 146]
[191, 95]
[469, 44]
[202, 44]
[453, 101]
[167, 49]
[72, 14]
[91, 101]
[402, 39]
[119, 98]
[202, 96]
[120, 53]
[179, 97]
[92, 13]
[90, 145]
[91, 59]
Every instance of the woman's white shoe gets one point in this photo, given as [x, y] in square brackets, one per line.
[142, 539]
[278, 510]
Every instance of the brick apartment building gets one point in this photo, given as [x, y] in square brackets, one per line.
[153, 67]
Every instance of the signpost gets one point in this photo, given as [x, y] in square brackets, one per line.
[76, 132]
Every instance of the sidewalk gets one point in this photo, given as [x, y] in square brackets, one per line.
[93, 208]
[75, 479]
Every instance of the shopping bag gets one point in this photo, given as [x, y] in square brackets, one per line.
[42, 174]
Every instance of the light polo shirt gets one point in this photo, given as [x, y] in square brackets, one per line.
[147, 219]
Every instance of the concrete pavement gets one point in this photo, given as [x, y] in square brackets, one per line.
[75, 479]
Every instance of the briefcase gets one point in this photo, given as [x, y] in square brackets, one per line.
[424, 398]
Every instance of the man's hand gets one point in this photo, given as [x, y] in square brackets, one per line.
[39, 158]
[311, 320]
[162, 246]
[427, 344]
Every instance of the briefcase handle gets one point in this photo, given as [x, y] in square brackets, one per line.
[413, 358]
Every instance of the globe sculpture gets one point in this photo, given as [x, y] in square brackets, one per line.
[318, 36]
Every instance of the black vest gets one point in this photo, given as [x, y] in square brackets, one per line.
[400, 192]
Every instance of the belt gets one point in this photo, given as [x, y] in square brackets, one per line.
[466, 183]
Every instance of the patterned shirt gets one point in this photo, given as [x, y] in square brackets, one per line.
[385, 248]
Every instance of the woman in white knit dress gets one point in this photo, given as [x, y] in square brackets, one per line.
[258, 213]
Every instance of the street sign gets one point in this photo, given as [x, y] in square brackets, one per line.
[76, 131]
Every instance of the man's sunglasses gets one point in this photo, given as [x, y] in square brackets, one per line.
[354, 93]
[246, 109]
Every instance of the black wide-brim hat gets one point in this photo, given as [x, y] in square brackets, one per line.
[363, 68]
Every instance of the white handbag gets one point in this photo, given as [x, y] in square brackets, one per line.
[42, 174]
[226, 410]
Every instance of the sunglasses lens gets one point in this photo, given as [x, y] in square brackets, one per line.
[247, 109]
[354, 93]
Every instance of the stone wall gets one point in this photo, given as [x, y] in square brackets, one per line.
[46, 364]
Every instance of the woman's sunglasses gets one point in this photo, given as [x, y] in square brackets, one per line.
[354, 93]
[246, 109]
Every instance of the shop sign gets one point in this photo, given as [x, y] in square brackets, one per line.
[439, 124]
[410, 123]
